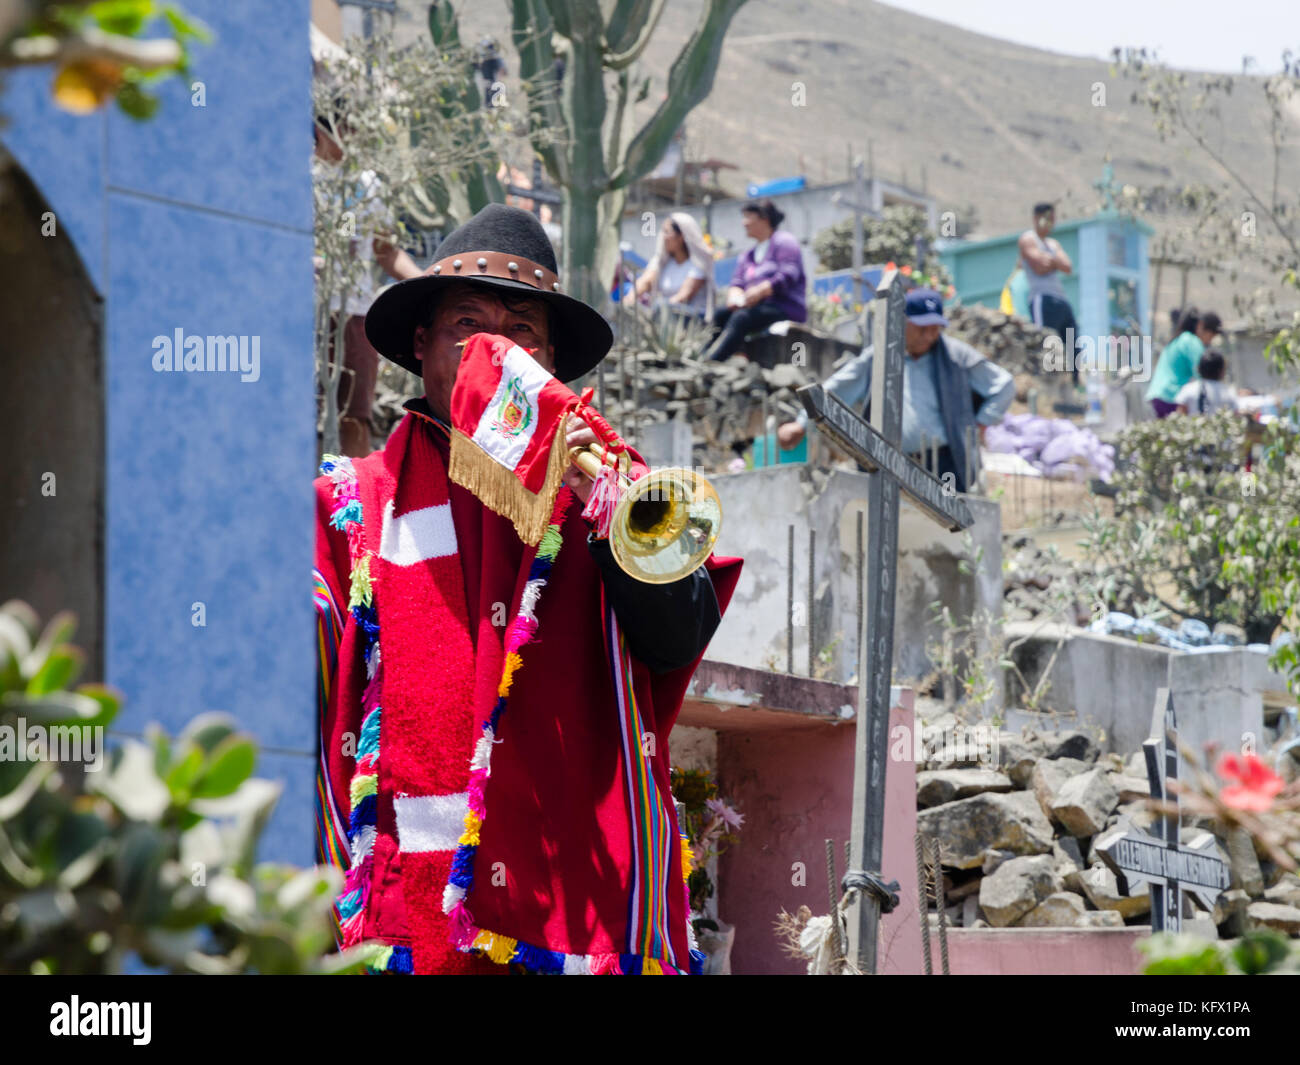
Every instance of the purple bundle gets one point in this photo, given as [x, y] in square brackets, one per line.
[1056, 446]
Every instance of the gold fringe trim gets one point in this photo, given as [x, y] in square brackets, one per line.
[498, 489]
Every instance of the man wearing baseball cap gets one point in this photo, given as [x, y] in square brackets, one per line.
[948, 387]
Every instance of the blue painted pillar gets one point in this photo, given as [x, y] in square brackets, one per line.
[197, 224]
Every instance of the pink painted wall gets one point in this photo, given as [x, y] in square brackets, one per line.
[1043, 952]
[795, 789]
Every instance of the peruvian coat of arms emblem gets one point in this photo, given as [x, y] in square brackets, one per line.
[514, 412]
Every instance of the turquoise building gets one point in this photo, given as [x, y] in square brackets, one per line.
[1110, 288]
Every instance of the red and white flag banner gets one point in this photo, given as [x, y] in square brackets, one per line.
[507, 439]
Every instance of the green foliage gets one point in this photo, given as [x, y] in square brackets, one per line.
[101, 52]
[1253, 215]
[415, 147]
[148, 851]
[479, 180]
[708, 823]
[1258, 952]
[892, 238]
[1197, 534]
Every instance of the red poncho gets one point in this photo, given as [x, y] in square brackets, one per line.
[562, 879]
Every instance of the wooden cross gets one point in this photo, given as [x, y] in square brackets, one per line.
[1159, 859]
[876, 446]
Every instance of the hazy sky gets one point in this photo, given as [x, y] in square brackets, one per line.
[1191, 34]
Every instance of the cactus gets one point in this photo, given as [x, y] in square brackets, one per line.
[481, 186]
[592, 160]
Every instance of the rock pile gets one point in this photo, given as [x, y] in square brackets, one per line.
[1037, 583]
[1013, 343]
[1017, 840]
[723, 402]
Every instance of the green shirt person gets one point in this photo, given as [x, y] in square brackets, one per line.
[1177, 362]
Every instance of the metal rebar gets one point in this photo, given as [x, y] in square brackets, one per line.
[939, 902]
[636, 400]
[922, 882]
[812, 580]
[971, 437]
[832, 889]
[789, 605]
[861, 563]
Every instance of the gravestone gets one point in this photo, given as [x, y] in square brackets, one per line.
[1158, 859]
[876, 446]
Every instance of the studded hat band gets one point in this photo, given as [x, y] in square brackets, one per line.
[496, 264]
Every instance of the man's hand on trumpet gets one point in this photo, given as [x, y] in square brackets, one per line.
[579, 434]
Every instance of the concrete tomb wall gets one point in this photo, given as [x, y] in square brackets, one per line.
[758, 508]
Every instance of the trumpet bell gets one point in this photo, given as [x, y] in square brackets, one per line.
[665, 526]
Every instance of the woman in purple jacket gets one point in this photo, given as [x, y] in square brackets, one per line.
[768, 285]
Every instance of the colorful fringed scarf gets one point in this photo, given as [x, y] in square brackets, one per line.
[405, 581]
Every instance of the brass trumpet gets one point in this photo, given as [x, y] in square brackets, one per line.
[665, 525]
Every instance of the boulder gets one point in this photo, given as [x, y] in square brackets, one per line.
[938, 786]
[1246, 873]
[1069, 863]
[991, 821]
[1016, 757]
[970, 911]
[1062, 909]
[1101, 919]
[1275, 915]
[1083, 803]
[1131, 789]
[1102, 889]
[1137, 813]
[1285, 891]
[1072, 744]
[1230, 911]
[1048, 776]
[1136, 765]
[1201, 926]
[1016, 887]
[992, 859]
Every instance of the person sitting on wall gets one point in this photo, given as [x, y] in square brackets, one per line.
[680, 273]
[948, 387]
[768, 285]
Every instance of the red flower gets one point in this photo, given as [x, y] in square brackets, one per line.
[835, 297]
[906, 271]
[1256, 784]
[890, 266]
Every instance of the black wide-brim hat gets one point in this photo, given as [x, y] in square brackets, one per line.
[505, 249]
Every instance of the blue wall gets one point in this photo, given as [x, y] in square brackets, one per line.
[200, 219]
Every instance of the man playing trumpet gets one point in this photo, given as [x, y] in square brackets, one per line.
[495, 692]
